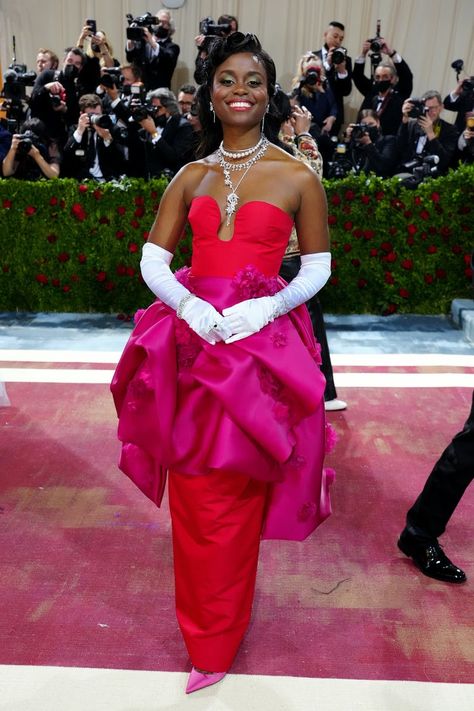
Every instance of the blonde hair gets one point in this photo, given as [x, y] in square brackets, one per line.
[300, 72]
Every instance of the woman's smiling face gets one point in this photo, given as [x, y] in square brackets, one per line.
[239, 89]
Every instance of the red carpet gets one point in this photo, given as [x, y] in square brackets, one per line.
[85, 559]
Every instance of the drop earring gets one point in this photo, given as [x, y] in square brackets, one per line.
[211, 107]
[267, 110]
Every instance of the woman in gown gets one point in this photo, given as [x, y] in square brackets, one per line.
[219, 385]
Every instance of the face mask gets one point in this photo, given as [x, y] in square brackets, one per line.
[383, 85]
[160, 121]
[162, 32]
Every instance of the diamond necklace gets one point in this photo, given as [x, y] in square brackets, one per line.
[240, 154]
[232, 198]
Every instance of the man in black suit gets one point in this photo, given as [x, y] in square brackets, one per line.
[94, 149]
[169, 137]
[156, 54]
[461, 99]
[338, 66]
[428, 517]
[385, 91]
[428, 134]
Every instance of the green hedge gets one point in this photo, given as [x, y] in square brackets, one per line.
[66, 246]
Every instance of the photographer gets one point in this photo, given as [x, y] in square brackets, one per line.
[32, 156]
[94, 148]
[150, 47]
[370, 151]
[338, 67]
[208, 31]
[95, 44]
[461, 99]
[466, 140]
[377, 46]
[423, 133]
[169, 136]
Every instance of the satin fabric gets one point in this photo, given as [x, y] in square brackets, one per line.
[216, 523]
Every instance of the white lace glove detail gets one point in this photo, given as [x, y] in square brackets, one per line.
[201, 316]
[250, 316]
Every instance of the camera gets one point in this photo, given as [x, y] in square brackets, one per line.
[112, 77]
[209, 28]
[341, 163]
[420, 168]
[27, 140]
[136, 25]
[139, 108]
[312, 77]
[101, 120]
[468, 85]
[339, 55]
[15, 79]
[418, 109]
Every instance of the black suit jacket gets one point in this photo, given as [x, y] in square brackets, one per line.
[340, 88]
[390, 113]
[156, 72]
[404, 86]
[80, 157]
[463, 104]
[444, 146]
[174, 148]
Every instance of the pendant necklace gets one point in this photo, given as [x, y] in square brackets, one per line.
[232, 198]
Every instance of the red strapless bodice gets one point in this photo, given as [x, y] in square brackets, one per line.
[261, 234]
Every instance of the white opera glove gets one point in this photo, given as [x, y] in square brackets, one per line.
[201, 316]
[250, 316]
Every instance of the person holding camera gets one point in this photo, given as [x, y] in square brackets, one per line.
[370, 151]
[209, 31]
[150, 47]
[423, 133]
[338, 67]
[95, 44]
[461, 99]
[32, 155]
[378, 46]
[382, 95]
[466, 140]
[169, 136]
[94, 149]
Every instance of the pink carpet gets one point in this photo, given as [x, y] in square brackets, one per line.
[86, 568]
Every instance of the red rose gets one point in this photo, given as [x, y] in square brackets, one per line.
[357, 233]
[135, 224]
[53, 201]
[404, 293]
[441, 273]
[120, 234]
[410, 241]
[5, 268]
[464, 210]
[63, 257]
[428, 279]
[130, 271]
[362, 283]
[374, 252]
[82, 259]
[424, 214]
[51, 238]
[62, 204]
[153, 194]
[365, 199]
[83, 188]
[412, 229]
[30, 210]
[407, 264]
[121, 269]
[392, 231]
[349, 195]
[435, 197]
[334, 280]
[104, 220]
[432, 230]
[368, 234]
[66, 287]
[407, 214]
[467, 259]
[391, 257]
[78, 212]
[133, 247]
[389, 279]
[445, 231]
[456, 249]
[333, 262]
[423, 236]
[468, 273]
[101, 276]
[355, 262]
[346, 209]
[332, 219]
[41, 278]
[347, 226]
[391, 308]
[386, 246]
[417, 200]
[97, 194]
[335, 200]
[146, 234]
[55, 282]
[109, 286]
[432, 249]
[347, 247]
[139, 200]
[139, 212]
[121, 210]
[397, 203]
[7, 204]
[379, 195]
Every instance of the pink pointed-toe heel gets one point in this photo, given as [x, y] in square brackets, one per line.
[198, 680]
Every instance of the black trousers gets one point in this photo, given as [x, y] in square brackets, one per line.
[288, 270]
[451, 475]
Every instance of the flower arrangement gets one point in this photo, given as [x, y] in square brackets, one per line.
[69, 246]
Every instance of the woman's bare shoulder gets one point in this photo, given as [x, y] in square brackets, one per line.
[296, 171]
[192, 174]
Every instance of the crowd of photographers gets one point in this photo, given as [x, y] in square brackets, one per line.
[93, 118]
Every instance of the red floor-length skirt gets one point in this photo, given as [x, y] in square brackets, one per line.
[217, 522]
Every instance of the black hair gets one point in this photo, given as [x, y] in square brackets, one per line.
[219, 51]
[281, 102]
[339, 25]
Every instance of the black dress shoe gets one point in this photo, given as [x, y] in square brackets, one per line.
[430, 559]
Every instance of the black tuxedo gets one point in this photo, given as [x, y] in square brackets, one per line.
[444, 146]
[404, 86]
[463, 105]
[340, 88]
[80, 157]
[174, 148]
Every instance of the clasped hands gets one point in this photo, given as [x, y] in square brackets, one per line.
[236, 322]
